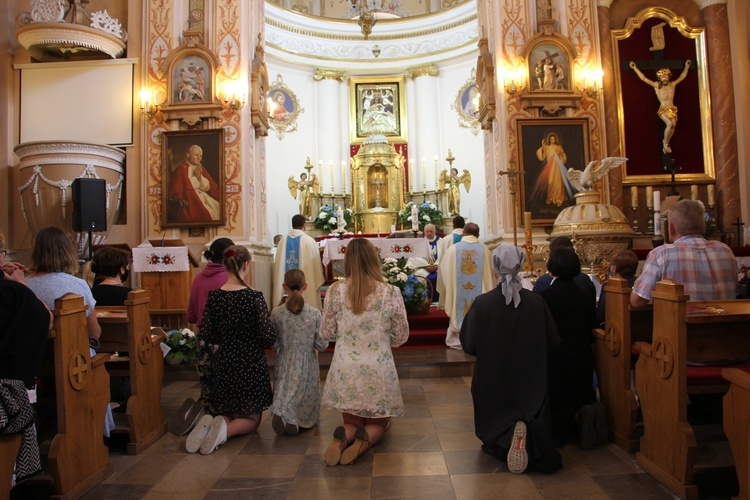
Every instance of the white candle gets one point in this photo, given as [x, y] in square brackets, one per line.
[634, 196]
[657, 224]
[711, 199]
[694, 192]
[320, 170]
[411, 176]
[330, 167]
[657, 201]
[436, 172]
[424, 173]
[414, 217]
[343, 177]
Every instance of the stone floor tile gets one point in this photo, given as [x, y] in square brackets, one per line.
[407, 443]
[432, 487]
[494, 486]
[259, 466]
[244, 488]
[472, 462]
[455, 441]
[409, 464]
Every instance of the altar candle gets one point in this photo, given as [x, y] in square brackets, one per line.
[320, 170]
[330, 167]
[527, 225]
[340, 217]
[634, 196]
[711, 199]
[343, 177]
[411, 176]
[436, 172]
[649, 197]
[657, 201]
[414, 217]
[694, 192]
[424, 173]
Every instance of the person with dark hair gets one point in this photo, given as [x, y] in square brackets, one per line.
[581, 279]
[110, 264]
[465, 272]
[510, 330]
[210, 278]
[571, 365]
[366, 317]
[298, 250]
[707, 269]
[624, 264]
[296, 392]
[234, 376]
[276, 240]
[451, 239]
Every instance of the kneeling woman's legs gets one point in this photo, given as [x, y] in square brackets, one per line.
[243, 425]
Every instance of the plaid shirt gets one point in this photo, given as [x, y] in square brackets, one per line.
[707, 269]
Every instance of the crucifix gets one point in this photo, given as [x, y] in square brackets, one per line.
[512, 174]
[668, 164]
[739, 225]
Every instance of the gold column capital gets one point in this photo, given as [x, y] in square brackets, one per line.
[702, 4]
[329, 74]
[426, 70]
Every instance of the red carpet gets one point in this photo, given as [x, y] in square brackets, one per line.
[427, 330]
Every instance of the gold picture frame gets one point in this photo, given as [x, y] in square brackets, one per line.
[377, 103]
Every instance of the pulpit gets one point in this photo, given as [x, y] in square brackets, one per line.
[166, 269]
[378, 179]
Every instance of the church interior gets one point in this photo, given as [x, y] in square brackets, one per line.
[533, 119]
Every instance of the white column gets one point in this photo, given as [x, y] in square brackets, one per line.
[427, 133]
[329, 145]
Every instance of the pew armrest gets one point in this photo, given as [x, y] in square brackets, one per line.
[643, 348]
[100, 359]
[737, 376]
[598, 333]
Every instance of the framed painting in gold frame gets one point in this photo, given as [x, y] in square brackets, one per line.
[377, 105]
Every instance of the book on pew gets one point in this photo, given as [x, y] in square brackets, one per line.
[702, 310]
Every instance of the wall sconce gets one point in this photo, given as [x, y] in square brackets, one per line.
[234, 95]
[514, 80]
[148, 102]
[591, 80]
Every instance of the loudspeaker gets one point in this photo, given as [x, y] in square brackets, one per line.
[89, 204]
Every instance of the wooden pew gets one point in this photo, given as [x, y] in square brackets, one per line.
[683, 331]
[9, 446]
[613, 361]
[78, 458]
[127, 329]
[737, 424]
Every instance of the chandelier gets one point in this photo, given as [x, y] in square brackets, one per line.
[366, 18]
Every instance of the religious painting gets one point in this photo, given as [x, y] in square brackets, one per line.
[664, 99]
[547, 148]
[283, 108]
[259, 87]
[377, 106]
[191, 80]
[466, 104]
[549, 68]
[192, 181]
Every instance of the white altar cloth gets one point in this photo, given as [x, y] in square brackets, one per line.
[388, 247]
[148, 259]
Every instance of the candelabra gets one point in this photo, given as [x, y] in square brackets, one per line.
[650, 225]
[635, 218]
[530, 249]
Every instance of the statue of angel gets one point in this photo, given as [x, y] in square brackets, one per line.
[584, 181]
[453, 181]
[306, 188]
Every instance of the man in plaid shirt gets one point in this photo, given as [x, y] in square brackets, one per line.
[707, 269]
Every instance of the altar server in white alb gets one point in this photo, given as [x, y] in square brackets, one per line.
[442, 246]
[465, 272]
[298, 250]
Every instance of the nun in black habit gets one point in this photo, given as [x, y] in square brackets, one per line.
[510, 330]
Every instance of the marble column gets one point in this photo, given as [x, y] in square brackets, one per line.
[722, 111]
[329, 143]
[427, 134]
[611, 122]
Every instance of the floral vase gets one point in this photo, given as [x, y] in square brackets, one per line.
[423, 306]
[173, 359]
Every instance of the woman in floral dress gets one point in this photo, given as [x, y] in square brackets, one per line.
[365, 316]
[296, 394]
[235, 383]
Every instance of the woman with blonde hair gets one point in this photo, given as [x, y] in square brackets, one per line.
[366, 317]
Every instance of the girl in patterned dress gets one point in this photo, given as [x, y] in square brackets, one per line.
[296, 395]
[235, 384]
[366, 318]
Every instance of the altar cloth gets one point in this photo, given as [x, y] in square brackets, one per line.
[388, 247]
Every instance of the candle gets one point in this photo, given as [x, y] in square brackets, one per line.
[340, 222]
[320, 170]
[343, 177]
[330, 167]
[527, 225]
[424, 173]
[411, 176]
[657, 201]
[694, 192]
[436, 172]
[657, 224]
[649, 197]
[634, 196]
[414, 217]
[711, 199]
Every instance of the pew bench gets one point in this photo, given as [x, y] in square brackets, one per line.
[701, 331]
[614, 361]
[127, 329]
[9, 446]
[737, 424]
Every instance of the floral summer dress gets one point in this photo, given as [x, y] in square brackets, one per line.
[236, 329]
[362, 379]
[296, 394]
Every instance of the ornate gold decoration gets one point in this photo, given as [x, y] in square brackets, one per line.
[425, 70]
[259, 87]
[283, 108]
[329, 74]
[486, 84]
[466, 103]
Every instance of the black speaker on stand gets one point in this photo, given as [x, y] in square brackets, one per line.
[89, 206]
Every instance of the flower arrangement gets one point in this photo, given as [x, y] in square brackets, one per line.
[712, 229]
[327, 220]
[414, 290]
[182, 345]
[429, 213]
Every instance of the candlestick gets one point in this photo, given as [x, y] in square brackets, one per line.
[650, 225]
[649, 197]
[436, 172]
[711, 199]
[411, 177]
[694, 192]
[634, 197]
[657, 201]
[414, 217]
[424, 174]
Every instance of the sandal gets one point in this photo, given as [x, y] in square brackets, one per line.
[357, 449]
[333, 453]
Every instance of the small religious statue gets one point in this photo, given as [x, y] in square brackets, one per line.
[340, 221]
[543, 9]
[308, 185]
[453, 181]
[665, 90]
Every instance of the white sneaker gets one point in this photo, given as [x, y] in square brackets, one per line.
[194, 439]
[518, 458]
[217, 435]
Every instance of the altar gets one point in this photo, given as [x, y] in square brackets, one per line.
[335, 249]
